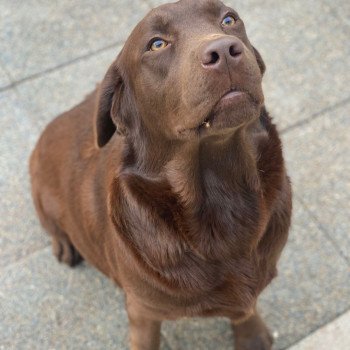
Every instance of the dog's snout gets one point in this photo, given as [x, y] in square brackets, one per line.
[219, 52]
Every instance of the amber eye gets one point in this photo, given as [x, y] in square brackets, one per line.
[228, 21]
[158, 44]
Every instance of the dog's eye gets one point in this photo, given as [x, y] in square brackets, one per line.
[228, 21]
[157, 44]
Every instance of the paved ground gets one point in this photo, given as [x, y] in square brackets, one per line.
[53, 53]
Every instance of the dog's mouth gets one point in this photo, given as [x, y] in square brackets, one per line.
[224, 114]
[228, 99]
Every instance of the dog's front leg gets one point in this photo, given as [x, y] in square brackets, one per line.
[252, 334]
[144, 330]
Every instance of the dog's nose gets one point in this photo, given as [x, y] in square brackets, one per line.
[219, 52]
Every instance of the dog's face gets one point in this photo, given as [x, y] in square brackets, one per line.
[187, 70]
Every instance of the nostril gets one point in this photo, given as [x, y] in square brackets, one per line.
[214, 57]
[210, 58]
[234, 51]
[220, 52]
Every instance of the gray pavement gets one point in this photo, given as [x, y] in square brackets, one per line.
[53, 53]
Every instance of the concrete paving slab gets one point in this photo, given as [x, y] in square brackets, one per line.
[302, 298]
[58, 91]
[304, 45]
[334, 335]
[20, 233]
[303, 75]
[319, 162]
[47, 305]
[36, 35]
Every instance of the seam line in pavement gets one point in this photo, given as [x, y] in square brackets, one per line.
[317, 329]
[322, 229]
[7, 73]
[165, 340]
[24, 258]
[59, 66]
[315, 115]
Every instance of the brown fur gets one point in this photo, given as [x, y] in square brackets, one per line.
[188, 221]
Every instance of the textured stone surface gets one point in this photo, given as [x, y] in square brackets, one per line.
[319, 161]
[36, 35]
[47, 305]
[304, 46]
[334, 335]
[20, 233]
[58, 91]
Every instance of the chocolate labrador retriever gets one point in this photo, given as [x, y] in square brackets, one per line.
[169, 178]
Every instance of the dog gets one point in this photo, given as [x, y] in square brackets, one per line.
[169, 177]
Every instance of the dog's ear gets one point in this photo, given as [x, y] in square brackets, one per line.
[108, 118]
[260, 61]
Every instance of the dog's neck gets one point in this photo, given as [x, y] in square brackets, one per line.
[209, 201]
[206, 175]
[228, 160]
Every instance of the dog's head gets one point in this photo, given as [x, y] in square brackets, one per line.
[187, 70]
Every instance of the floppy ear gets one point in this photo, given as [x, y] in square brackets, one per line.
[107, 119]
[260, 61]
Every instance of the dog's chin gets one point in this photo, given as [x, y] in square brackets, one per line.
[234, 109]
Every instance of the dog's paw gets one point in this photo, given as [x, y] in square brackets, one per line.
[262, 341]
[65, 252]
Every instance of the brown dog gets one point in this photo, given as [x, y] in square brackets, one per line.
[170, 178]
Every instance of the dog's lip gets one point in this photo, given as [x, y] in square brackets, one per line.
[227, 98]
[232, 94]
